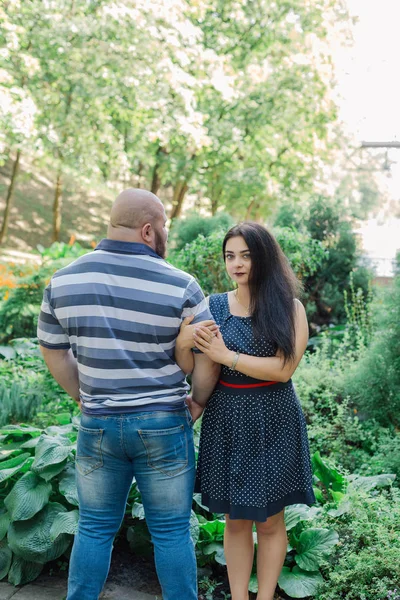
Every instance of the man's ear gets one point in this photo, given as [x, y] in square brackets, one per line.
[147, 233]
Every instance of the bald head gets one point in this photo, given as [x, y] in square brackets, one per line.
[137, 216]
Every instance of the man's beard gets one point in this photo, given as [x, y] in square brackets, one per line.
[161, 245]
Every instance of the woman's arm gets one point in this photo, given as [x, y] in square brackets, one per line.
[265, 368]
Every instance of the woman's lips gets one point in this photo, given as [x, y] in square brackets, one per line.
[239, 274]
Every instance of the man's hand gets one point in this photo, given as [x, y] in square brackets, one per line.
[64, 368]
[195, 409]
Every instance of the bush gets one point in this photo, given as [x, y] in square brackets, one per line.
[325, 220]
[185, 231]
[203, 258]
[365, 566]
[374, 381]
[19, 312]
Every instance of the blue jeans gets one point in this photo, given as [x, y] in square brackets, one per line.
[157, 449]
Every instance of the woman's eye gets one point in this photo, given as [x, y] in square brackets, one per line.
[246, 256]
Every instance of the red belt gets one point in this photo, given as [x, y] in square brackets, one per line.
[247, 385]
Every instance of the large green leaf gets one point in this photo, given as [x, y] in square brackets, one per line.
[327, 474]
[67, 485]
[65, 523]
[218, 549]
[13, 462]
[369, 483]
[296, 513]
[18, 463]
[52, 470]
[18, 431]
[27, 497]
[299, 584]
[6, 453]
[4, 524]
[314, 545]
[212, 530]
[5, 559]
[31, 539]
[50, 451]
[23, 571]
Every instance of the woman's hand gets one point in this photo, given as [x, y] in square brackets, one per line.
[212, 344]
[185, 337]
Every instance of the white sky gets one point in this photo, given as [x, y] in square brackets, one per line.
[369, 102]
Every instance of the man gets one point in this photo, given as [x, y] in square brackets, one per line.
[107, 331]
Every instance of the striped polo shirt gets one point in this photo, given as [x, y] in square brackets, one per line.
[119, 309]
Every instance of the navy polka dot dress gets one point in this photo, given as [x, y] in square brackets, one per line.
[254, 457]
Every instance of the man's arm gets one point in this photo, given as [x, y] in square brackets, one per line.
[63, 366]
[204, 378]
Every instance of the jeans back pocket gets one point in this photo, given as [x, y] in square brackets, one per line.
[88, 454]
[167, 449]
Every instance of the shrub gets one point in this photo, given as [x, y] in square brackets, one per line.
[365, 566]
[185, 231]
[374, 381]
[203, 259]
[19, 312]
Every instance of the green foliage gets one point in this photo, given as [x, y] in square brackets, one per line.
[28, 390]
[374, 382]
[19, 313]
[18, 403]
[325, 220]
[185, 231]
[365, 565]
[203, 257]
[40, 519]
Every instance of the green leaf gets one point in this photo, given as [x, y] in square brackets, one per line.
[31, 539]
[23, 571]
[65, 523]
[18, 431]
[7, 352]
[369, 483]
[194, 527]
[32, 443]
[313, 546]
[67, 485]
[299, 584]
[219, 552]
[327, 474]
[27, 497]
[213, 530]
[14, 462]
[52, 470]
[7, 473]
[296, 513]
[4, 524]
[7, 452]
[138, 510]
[50, 451]
[253, 583]
[5, 559]
[343, 508]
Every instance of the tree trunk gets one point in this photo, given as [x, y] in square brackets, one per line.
[250, 210]
[177, 200]
[57, 205]
[10, 197]
[156, 180]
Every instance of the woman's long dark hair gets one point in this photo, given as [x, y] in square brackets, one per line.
[273, 287]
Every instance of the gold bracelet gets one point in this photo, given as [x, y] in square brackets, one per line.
[235, 361]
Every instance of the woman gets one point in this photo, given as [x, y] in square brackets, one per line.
[254, 456]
